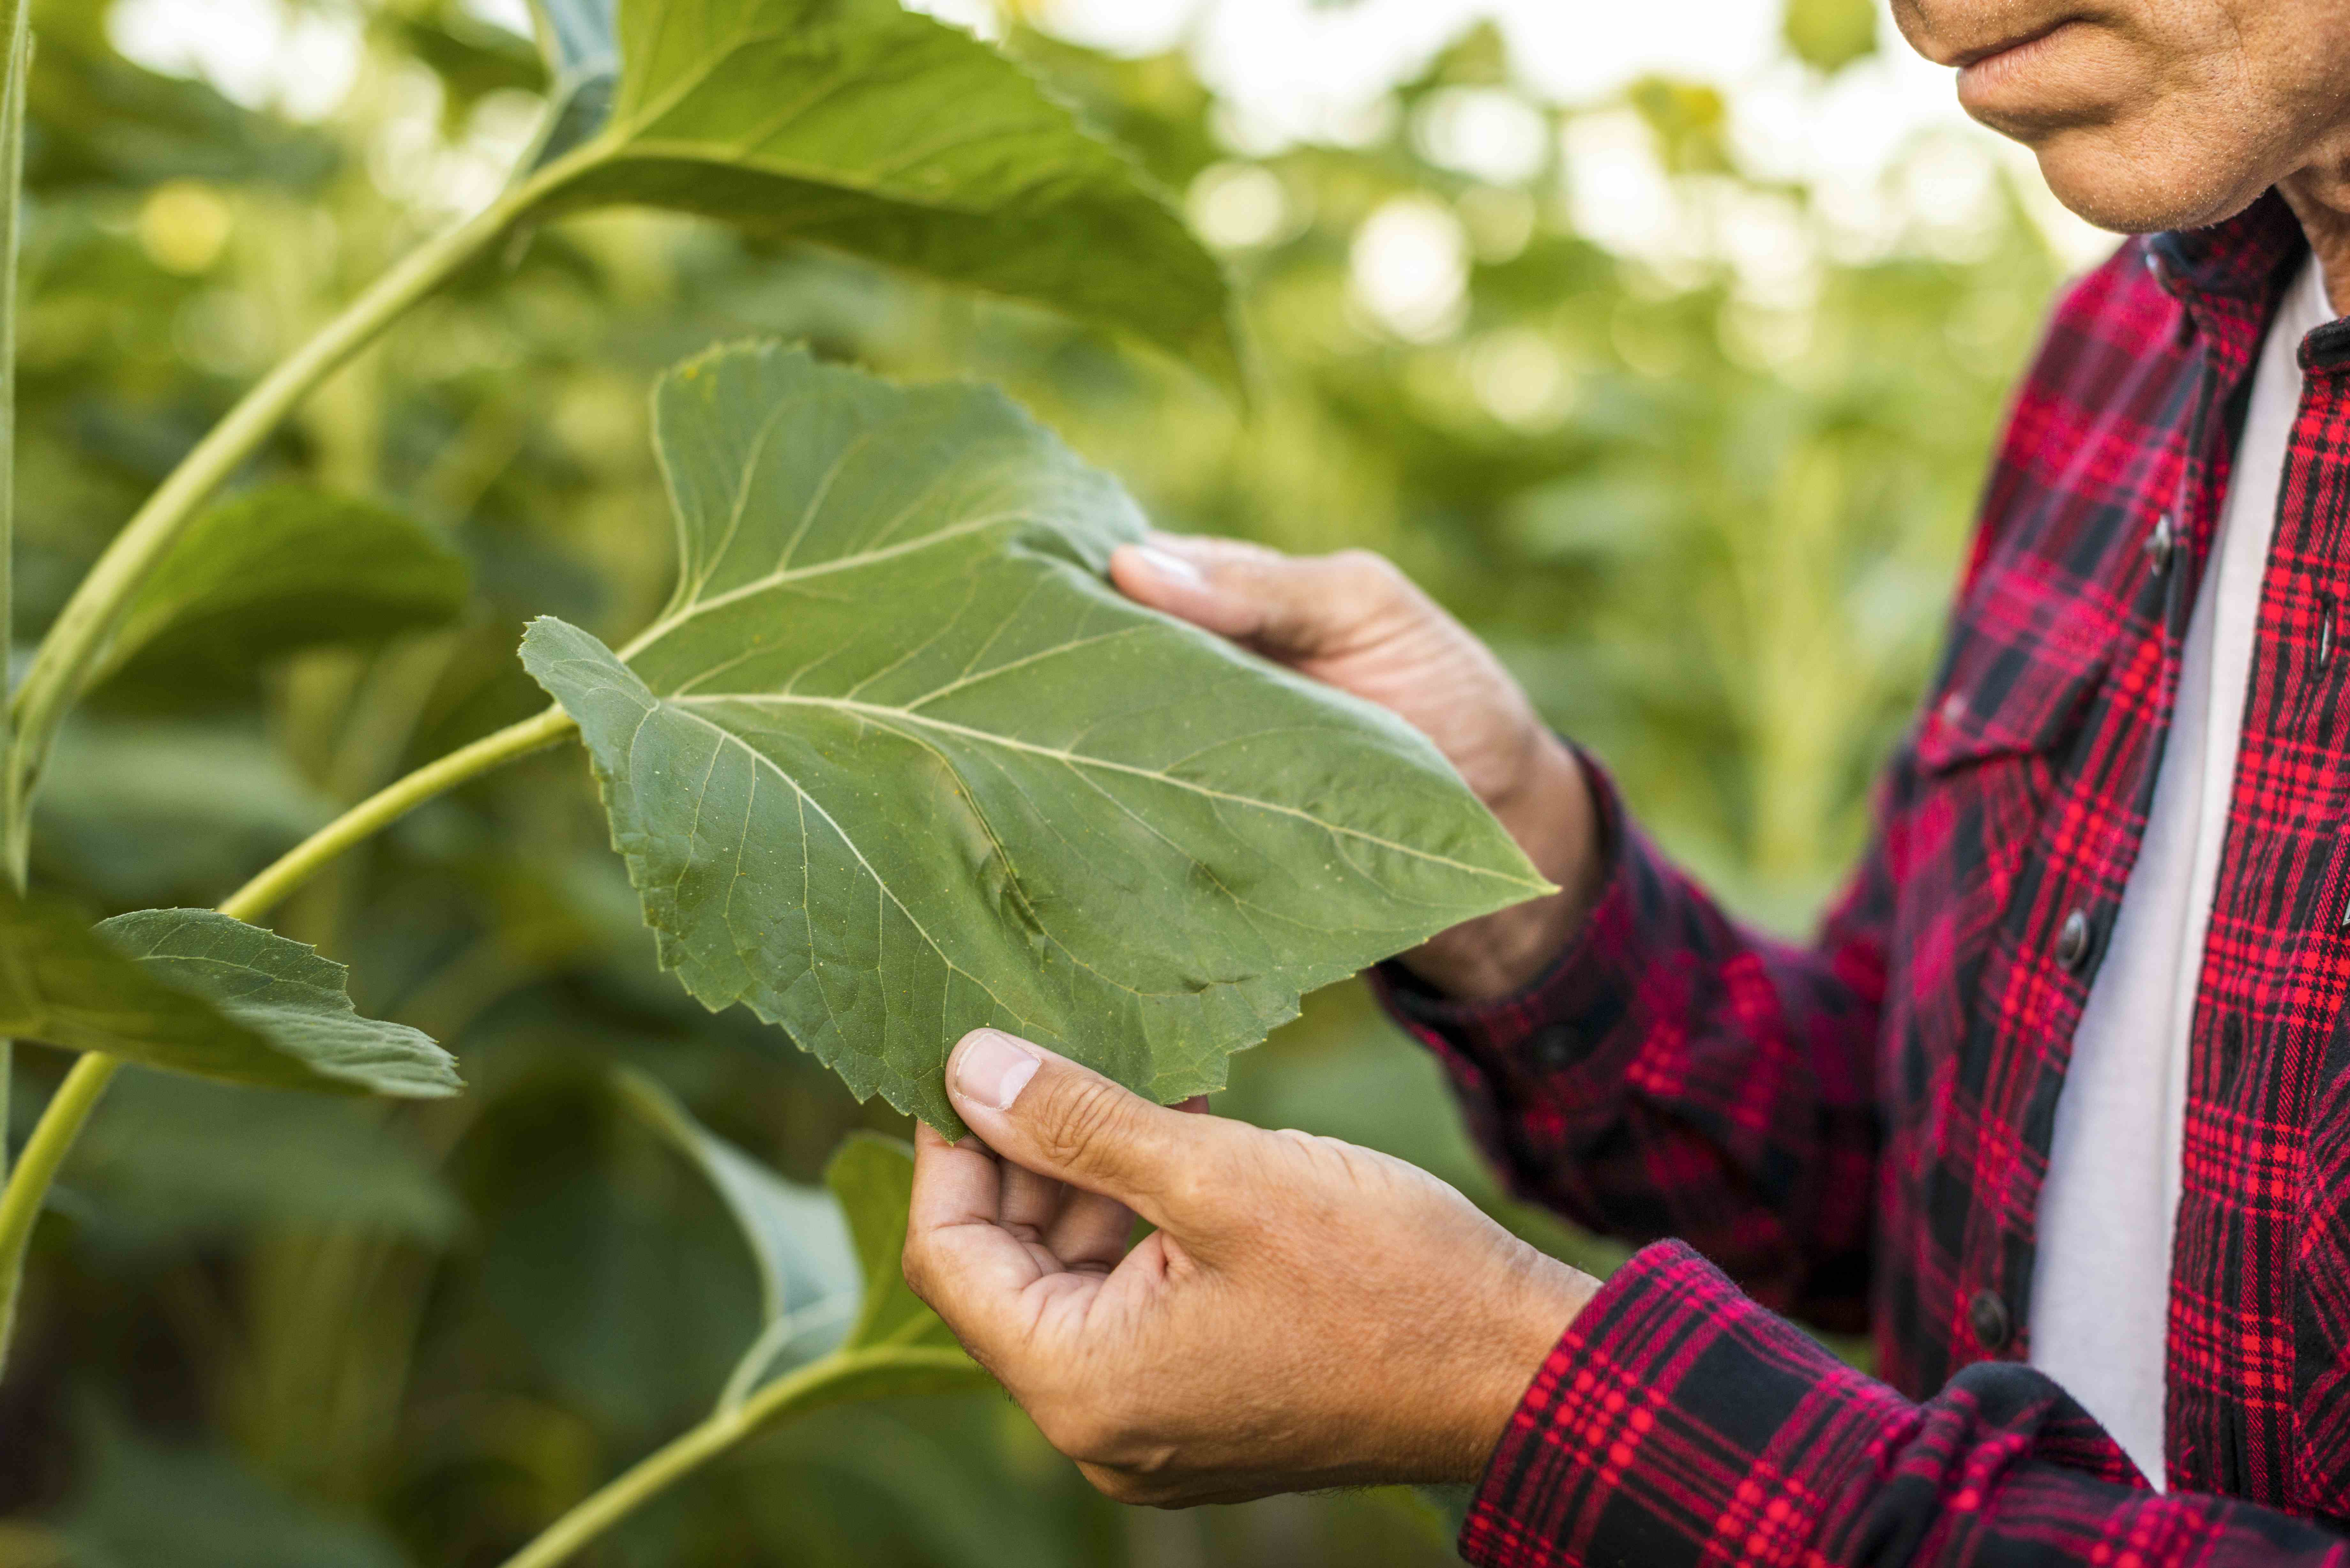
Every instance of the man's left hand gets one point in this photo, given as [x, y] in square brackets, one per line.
[1305, 1313]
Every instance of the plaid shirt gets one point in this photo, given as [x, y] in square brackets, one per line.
[1855, 1131]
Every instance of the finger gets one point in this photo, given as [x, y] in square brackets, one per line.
[1092, 1231]
[1053, 1116]
[958, 1259]
[1290, 606]
[1030, 1203]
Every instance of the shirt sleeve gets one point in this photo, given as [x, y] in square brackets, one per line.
[1674, 1073]
[1677, 1423]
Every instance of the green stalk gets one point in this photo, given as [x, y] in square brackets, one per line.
[654, 1474]
[28, 1187]
[76, 644]
[391, 802]
[16, 26]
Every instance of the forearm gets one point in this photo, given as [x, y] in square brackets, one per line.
[1676, 1421]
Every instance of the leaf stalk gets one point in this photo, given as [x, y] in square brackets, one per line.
[691, 1449]
[391, 802]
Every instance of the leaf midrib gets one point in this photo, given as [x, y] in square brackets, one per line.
[884, 714]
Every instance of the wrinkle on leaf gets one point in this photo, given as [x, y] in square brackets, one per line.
[967, 782]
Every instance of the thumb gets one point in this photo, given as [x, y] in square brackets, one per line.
[1047, 1114]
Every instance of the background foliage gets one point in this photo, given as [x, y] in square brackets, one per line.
[1707, 507]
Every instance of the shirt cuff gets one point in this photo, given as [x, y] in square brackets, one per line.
[1675, 1422]
[1570, 1016]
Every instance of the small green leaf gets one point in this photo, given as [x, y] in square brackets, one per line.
[283, 569]
[195, 992]
[898, 1347]
[873, 1179]
[1831, 33]
[857, 125]
[808, 1279]
[896, 763]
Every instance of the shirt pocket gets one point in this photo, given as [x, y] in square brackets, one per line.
[2005, 702]
[1986, 756]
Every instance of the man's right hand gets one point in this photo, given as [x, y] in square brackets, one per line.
[1353, 621]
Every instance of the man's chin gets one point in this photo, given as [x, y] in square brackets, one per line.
[2122, 183]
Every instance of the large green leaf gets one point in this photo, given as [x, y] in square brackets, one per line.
[195, 992]
[285, 568]
[857, 125]
[809, 1283]
[897, 763]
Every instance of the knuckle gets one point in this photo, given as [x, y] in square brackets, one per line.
[1082, 1121]
[1370, 577]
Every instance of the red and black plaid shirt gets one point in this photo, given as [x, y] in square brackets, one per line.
[1854, 1132]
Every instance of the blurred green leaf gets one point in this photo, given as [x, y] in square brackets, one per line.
[140, 1505]
[98, 120]
[808, 1278]
[146, 812]
[872, 1178]
[897, 763]
[282, 569]
[1831, 33]
[861, 126]
[583, 58]
[174, 1160]
[195, 992]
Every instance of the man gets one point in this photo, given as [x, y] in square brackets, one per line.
[2058, 1105]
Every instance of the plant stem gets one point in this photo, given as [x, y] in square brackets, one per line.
[76, 642]
[390, 804]
[654, 1474]
[28, 1187]
[16, 26]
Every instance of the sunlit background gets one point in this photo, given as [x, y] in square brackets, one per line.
[1663, 342]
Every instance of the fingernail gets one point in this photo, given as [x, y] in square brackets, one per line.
[1169, 565]
[992, 1067]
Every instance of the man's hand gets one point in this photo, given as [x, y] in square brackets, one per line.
[1353, 621]
[1307, 1314]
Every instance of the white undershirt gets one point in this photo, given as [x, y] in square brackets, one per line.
[2101, 1288]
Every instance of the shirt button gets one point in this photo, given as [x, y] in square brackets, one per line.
[2160, 544]
[1553, 1048]
[2073, 940]
[1989, 1316]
